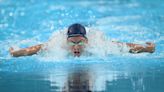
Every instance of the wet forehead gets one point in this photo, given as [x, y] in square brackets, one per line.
[75, 39]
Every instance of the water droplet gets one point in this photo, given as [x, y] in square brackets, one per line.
[60, 21]
[1, 25]
[2, 11]
[23, 32]
[22, 13]
[52, 27]
[6, 25]
[62, 15]
[10, 14]
[76, 15]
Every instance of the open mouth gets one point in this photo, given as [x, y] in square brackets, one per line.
[77, 53]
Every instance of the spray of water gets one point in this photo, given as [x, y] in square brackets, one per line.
[98, 45]
[55, 48]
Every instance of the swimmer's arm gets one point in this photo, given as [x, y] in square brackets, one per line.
[26, 51]
[138, 48]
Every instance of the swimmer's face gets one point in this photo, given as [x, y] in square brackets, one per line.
[77, 44]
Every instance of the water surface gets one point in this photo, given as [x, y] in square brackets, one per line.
[25, 23]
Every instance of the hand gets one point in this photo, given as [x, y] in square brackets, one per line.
[11, 50]
[150, 47]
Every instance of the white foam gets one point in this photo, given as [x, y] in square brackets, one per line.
[56, 47]
[101, 45]
[98, 45]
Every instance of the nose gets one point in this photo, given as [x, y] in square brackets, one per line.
[76, 48]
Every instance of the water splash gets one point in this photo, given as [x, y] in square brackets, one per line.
[99, 46]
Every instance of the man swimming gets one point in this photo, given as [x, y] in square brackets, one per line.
[77, 42]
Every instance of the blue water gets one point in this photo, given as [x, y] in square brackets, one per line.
[25, 23]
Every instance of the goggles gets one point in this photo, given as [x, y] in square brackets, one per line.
[81, 43]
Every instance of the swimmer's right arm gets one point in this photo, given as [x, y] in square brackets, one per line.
[26, 51]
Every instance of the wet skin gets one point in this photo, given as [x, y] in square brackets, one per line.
[77, 45]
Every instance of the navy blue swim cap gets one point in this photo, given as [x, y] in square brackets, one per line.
[76, 30]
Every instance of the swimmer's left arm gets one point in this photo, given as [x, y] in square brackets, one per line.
[138, 48]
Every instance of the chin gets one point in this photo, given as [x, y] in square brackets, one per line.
[77, 55]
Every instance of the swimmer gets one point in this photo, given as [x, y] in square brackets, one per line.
[77, 42]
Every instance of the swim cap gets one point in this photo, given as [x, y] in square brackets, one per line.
[76, 30]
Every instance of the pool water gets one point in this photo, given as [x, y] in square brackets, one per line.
[26, 23]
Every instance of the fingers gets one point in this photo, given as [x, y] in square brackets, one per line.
[150, 44]
[11, 50]
[150, 47]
